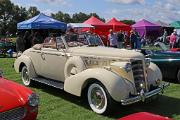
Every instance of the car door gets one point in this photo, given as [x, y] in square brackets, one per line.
[53, 63]
[36, 58]
[54, 60]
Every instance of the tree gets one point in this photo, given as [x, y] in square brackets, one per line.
[19, 15]
[128, 22]
[6, 15]
[64, 17]
[32, 11]
[79, 17]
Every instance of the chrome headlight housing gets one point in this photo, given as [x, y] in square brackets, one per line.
[147, 62]
[128, 67]
[33, 100]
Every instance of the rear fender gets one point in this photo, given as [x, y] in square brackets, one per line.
[117, 87]
[25, 60]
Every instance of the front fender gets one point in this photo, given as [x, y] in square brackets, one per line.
[117, 87]
[23, 59]
[153, 74]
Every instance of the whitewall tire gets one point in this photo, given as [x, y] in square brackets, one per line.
[98, 98]
[25, 76]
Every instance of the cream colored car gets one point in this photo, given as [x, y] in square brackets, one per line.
[84, 65]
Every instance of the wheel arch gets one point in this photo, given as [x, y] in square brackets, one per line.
[117, 87]
[24, 60]
[22, 64]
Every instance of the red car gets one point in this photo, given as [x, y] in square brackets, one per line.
[16, 101]
[144, 116]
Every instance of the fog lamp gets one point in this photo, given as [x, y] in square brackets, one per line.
[142, 85]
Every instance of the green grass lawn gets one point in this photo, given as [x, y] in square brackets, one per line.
[58, 105]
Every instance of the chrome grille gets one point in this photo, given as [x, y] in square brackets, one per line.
[14, 114]
[138, 73]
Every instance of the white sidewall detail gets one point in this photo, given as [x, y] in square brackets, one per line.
[25, 82]
[99, 111]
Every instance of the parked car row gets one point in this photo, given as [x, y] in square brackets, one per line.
[85, 67]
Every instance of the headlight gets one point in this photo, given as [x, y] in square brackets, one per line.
[128, 67]
[33, 100]
[147, 61]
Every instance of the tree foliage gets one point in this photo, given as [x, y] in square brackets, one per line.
[129, 22]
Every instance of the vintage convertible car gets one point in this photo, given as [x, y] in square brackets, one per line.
[16, 101]
[84, 66]
[168, 60]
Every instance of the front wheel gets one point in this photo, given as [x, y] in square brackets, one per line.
[99, 99]
[25, 76]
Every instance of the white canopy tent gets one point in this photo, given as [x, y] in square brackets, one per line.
[79, 25]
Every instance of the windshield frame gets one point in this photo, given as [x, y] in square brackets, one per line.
[84, 42]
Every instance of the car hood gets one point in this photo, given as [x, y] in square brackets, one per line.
[12, 95]
[106, 52]
[165, 54]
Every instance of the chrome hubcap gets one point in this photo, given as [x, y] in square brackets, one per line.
[98, 99]
[25, 76]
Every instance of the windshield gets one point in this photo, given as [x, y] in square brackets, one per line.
[74, 40]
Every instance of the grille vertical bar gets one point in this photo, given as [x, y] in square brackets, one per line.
[138, 73]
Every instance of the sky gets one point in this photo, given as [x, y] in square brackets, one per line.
[152, 10]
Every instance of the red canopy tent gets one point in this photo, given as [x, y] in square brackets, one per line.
[117, 25]
[100, 27]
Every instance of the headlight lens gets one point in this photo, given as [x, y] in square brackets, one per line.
[147, 61]
[128, 67]
[33, 100]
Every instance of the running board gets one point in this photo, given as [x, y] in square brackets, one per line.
[50, 82]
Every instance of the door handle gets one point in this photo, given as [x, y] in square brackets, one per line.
[42, 56]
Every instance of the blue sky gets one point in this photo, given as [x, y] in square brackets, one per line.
[153, 10]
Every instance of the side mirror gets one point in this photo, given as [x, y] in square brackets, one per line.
[1, 73]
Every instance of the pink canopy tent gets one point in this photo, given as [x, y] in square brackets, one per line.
[100, 27]
[117, 25]
[146, 28]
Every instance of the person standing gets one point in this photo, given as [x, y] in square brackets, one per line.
[164, 36]
[172, 40]
[20, 46]
[120, 39]
[26, 40]
[112, 37]
[133, 39]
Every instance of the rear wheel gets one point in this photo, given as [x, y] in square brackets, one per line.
[99, 99]
[25, 76]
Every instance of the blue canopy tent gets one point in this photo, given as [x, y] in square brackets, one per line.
[42, 21]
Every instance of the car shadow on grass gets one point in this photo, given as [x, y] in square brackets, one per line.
[62, 94]
[164, 105]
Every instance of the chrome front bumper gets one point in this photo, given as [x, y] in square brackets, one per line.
[142, 96]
